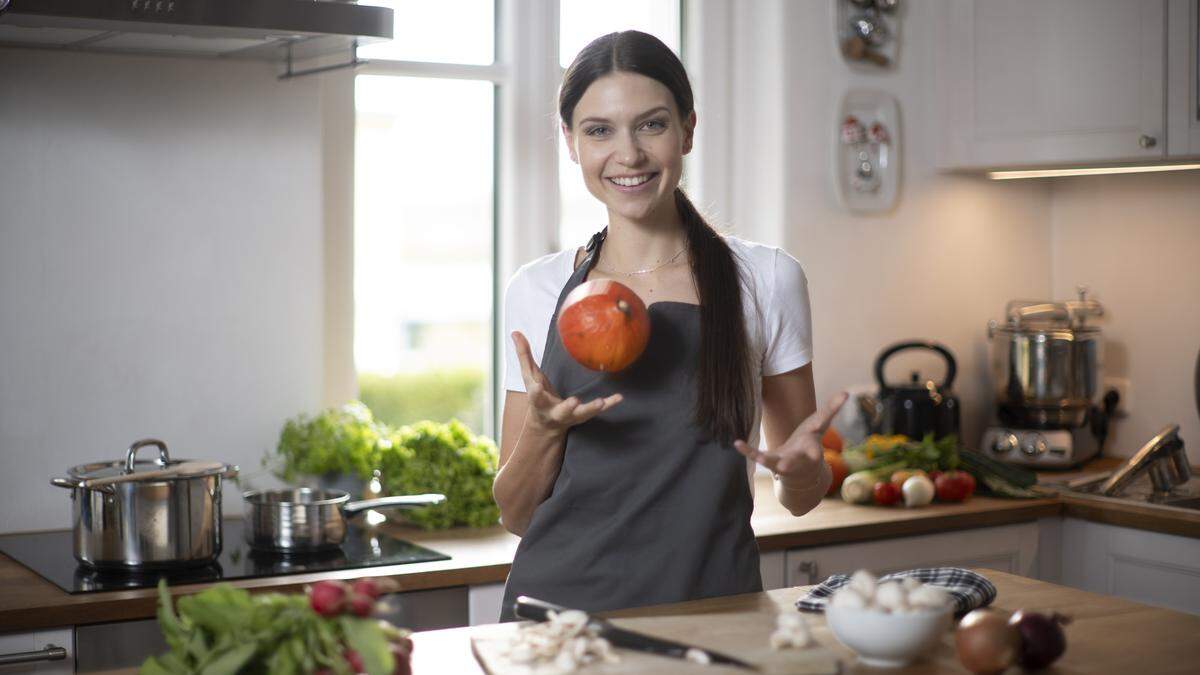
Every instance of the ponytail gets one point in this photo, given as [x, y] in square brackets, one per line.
[725, 400]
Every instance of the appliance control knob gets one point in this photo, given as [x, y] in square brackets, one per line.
[1004, 443]
[1034, 445]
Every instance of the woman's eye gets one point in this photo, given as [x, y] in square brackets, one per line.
[597, 131]
[656, 125]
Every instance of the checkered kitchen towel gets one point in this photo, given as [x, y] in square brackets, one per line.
[969, 590]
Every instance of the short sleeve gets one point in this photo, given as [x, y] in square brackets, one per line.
[788, 318]
[516, 315]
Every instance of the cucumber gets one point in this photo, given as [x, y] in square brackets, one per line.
[981, 466]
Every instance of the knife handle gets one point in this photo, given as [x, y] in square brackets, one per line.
[537, 610]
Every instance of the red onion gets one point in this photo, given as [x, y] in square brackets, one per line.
[1042, 639]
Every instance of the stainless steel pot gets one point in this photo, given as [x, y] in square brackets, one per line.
[1046, 363]
[144, 514]
[304, 519]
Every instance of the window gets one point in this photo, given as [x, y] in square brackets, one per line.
[447, 115]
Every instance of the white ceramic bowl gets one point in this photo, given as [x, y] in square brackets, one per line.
[888, 640]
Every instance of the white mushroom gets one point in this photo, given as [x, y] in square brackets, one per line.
[891, 596]
[910, 583]
[929, 597]
[848, 597]
[864, 583]
[697, 656]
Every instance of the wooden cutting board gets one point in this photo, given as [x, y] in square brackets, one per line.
[739, 635]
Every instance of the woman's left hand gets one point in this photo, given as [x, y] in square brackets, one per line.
[801, 454]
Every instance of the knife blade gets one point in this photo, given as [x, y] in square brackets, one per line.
[539, 610]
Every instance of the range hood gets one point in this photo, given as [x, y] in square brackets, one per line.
[239, 29]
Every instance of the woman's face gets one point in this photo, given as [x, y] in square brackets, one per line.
[629, 142]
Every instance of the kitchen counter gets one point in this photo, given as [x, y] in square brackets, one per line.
[483, 556]
[1107, 635]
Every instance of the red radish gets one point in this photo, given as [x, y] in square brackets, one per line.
[361, 605]
[604, 325]
[356, 663]
[366, 586]
[327, 598]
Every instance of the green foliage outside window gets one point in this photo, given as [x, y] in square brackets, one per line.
[439, 395]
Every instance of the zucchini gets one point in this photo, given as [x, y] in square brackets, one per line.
[1002, 488]
[982, 466]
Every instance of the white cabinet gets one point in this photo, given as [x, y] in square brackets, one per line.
[1008, 548]
[1183, 78]
[39, 645]
[1029, 82]
[1150, 567]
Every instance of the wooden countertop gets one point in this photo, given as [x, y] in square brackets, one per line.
[1107, 635]
[482, 556]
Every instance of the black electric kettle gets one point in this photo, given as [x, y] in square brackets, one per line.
[917, 408]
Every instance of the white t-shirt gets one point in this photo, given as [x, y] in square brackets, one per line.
[774, 301]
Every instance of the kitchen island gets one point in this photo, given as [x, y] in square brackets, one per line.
[1107, 635]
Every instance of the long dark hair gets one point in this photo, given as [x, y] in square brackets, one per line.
[725, 402]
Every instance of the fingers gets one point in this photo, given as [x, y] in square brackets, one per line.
[819, 421]
[767, 459]
[524, 357]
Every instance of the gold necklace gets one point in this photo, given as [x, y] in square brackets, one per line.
[648, 270]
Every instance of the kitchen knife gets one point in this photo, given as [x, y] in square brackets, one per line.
[539, 610]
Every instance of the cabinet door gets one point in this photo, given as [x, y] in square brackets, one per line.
[1008, 548]
[1025, 82]
[39, 645]
[1150, 567]
[1183, 78]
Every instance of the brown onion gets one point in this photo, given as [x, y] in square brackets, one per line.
[985, 643]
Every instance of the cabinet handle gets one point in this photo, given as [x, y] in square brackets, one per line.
[807, 569]
[1147, 141]
[49, 653]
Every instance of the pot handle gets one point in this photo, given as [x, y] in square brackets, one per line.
[131, 456]
[69, 483]
[396, 502]
[951, 365]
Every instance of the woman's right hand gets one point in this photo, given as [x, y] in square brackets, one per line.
[547, 410]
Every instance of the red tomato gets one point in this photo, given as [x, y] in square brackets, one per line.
[954, 486]
[604, 325]
[832, 440]
[886, 493]
[837, 466]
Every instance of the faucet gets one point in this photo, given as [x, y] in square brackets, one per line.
[1163, 457]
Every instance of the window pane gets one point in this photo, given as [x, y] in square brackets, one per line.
[446, 31]
[580, 23]
[423, 228]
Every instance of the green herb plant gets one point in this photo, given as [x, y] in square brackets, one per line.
[225, 630]
[418, 458]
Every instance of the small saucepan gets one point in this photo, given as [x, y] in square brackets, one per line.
[305, 520]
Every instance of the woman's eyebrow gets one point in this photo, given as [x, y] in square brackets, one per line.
[648, 113]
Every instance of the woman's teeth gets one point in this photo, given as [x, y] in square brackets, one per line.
[633, 181]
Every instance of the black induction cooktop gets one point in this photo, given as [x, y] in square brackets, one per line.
[51, 555]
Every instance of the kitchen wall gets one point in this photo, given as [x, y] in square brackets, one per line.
[160, 263]
[1135, 241]
[938, 266]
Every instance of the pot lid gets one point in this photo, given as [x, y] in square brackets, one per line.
[1038, 315]
[159, 468]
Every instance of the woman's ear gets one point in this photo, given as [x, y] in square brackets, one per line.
[689, 132]
[566, 132]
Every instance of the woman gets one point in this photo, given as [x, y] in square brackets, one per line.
[635, 488]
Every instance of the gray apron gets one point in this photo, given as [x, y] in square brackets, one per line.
[647, 508]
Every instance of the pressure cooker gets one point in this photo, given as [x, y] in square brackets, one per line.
[1045, 362]
[136, 514]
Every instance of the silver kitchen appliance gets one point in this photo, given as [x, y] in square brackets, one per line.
[1046, 369]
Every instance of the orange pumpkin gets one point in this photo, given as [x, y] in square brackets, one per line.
[604, 325]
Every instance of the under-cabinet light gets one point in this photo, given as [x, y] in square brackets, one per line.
[1051, 173]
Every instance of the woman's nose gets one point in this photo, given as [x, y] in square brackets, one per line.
[629, 152]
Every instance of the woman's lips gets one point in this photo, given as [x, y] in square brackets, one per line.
[633, 188]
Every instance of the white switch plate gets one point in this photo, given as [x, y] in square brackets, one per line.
[1125, 389]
